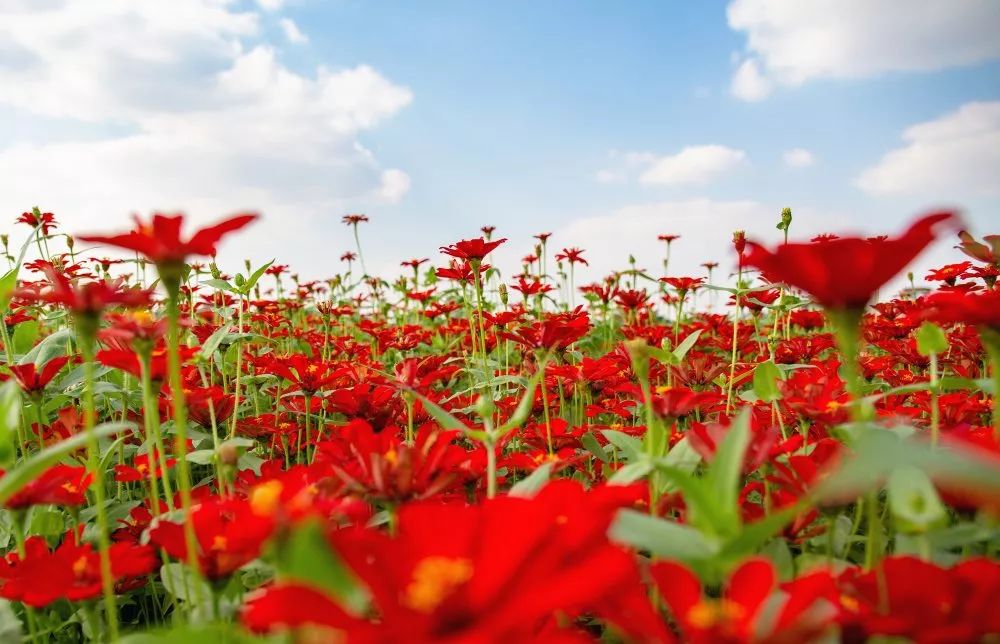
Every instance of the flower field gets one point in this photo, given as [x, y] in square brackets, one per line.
[785, 448]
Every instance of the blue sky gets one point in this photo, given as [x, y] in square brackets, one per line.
[563, 116]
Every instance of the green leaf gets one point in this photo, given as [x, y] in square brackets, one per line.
[214, 340]
[201, 456]
[47, 522]
[19, 476]
[10, 626]
[630, 446]
[914, 502]
[531, 484]
[524, 406]
[686, 345]
[24, 337]
[631, 473]
[222, 285]
[10, 421]
[878, 452]
[50, 347]
[307, 557]
[187, 634]
[590, 443]
[659, 537]
[254, 277]
[765, 381]
[725, 472]
[7, 285]
[931, 339]
[445, 419]
[181, 582]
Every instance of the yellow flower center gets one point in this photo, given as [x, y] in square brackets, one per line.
[219, 543]
[708, 613]
[80, 566]
[264, 498]
[391, 457]
[434, 578]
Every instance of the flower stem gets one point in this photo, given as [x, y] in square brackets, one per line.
[87, 329]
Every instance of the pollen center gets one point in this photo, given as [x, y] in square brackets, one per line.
[708, 613]
[434, 578]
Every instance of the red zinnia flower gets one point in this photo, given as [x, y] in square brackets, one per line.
[59, 485]
[844, 273]
[229, 535]
[72, 571]
[33, 381]
[160, 241]
[473, 250]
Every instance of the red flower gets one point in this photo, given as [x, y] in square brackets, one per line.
[556, 332]
[88, 298]
[923, 602]
[472, 250]
[140, 470]
[978, 309]
[33, 381]
[72, 571]
[500, 572]
[160, 239]
[354, 220]
[229, 535]
[572, 255]
[844, 273]
[35, 219]
[741, 614]
[59, 485]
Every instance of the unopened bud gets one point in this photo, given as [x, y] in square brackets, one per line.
[229, 454]
[739, 241]
[504, 295]
[216, 273]
[484, 407]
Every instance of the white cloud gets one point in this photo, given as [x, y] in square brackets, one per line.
[798, 158]
[202, 123]
[292, 32]
[790, 42]
[271, 5]
[956, 156]
[748, 83]
[692, 165]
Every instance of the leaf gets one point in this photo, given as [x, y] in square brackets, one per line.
[686, 345]
[765, 381]
[660, 537]
[725, 472]
[631, 473]
[308, 557]
[589, 442]
[254, 277]
[214, 340]
[630, 446]
[187, 634]
[931, 339]
[181, 582]
[524, 406]
[201, 456]
[879, 452]
[531, 484]
[19, 476]
[222, 285]
[445, 419]
[913, 501]
[10, 626]
[10, 420]
[24, 337]
[7, 285]
[50, 347]
[47, 522]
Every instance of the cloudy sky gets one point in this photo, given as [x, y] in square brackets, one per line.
[606, 123]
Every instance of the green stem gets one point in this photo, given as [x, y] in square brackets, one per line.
[87, 329]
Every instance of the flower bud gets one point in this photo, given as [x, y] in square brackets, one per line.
[484, 407]
[229, 454]
[739, 241]
[504, 296]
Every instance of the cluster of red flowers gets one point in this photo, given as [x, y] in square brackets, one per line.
[426, 460]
